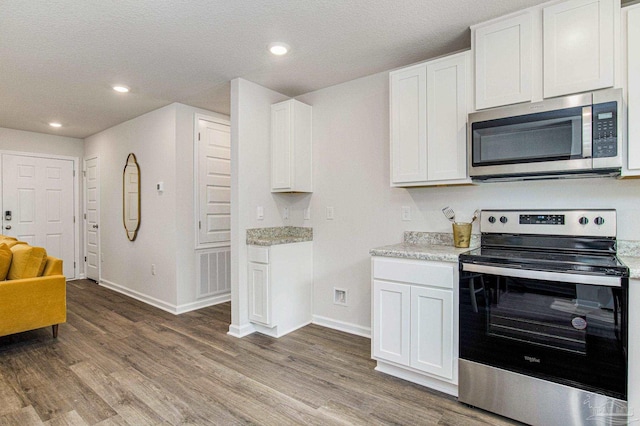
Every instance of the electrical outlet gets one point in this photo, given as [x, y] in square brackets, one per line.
[285, 213]
[406, 213]
[260, 213]
[340, 296]
[153, 269]
[330, 214]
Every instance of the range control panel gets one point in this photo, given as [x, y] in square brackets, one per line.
[596, 223]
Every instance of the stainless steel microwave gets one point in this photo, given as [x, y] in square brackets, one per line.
[572, 136]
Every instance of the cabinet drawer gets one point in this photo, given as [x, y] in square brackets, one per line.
[414, 272]
[258, 254]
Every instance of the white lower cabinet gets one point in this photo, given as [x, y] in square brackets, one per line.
[280, 284]
[415, 321]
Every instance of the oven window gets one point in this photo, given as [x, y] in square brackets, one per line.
[538, 137]
[539, 313]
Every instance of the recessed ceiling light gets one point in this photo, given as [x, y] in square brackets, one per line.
[279, 49]
[55, 124]
[120, 88]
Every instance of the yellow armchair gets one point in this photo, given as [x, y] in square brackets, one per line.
[30, 303]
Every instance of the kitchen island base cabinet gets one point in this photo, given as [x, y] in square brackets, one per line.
[415, 321]
[280, 282]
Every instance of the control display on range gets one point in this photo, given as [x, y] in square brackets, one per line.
[542, 219]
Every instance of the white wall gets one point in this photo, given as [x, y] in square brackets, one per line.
[250, 185]
[351, 174]
[185, 201]
[126, 264]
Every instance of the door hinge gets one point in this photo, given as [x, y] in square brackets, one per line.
[198, 135]
[85, 216]
[74, 265]
[84, 173]
[199, 225]
[74, 219]
[85, 258]
[74, 173]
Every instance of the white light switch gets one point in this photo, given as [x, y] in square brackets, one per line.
[260, 213]
[330, 213]
[406, 213]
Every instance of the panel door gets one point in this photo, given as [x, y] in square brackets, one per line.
[259, 303]
[432, 331]
[281, 146]
[633, 86]
[447, 118]
[578, 46]
[408, 95]
[214, 184]
[92, 218]
[391, 321]
[503, 62]
[39, 193]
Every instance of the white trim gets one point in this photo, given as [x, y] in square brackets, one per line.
[241, 331]
[84, 213]
[160, 304]
[350, 328]
[76, 197]
[415, 377]
[196, 190]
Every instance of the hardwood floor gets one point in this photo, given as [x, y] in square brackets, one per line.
[118, 361]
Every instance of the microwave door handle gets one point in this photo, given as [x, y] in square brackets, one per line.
[587, 132]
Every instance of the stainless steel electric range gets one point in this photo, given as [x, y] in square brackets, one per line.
[543, 318]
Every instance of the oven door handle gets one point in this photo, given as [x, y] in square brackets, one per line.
[544, 275]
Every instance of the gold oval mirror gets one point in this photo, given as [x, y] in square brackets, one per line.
[131, 197]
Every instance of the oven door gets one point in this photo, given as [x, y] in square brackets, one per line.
[566, 328]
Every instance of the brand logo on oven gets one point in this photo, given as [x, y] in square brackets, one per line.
[532, 359]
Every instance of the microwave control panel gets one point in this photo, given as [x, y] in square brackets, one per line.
[605, 130]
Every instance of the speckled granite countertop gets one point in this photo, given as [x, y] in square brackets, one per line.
[629, 254]
[439, 247]
[278, 235]
[436, 246]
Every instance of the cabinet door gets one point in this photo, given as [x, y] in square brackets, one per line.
[391, 327]
[578, 46]
[408, 125]
[447, 118]
[281, 146]
[432, 331]
[503, 56]
[259, 294]
[633, 86]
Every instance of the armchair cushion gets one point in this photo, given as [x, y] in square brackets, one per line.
[27, 262]
[5, 261]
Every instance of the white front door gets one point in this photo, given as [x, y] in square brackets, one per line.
[92, 216]
[39, 194]
[214, 184]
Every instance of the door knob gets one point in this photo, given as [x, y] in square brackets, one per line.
[7, 227]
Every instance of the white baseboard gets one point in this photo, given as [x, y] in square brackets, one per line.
[160, 304]
[356, 329]
[241, 331]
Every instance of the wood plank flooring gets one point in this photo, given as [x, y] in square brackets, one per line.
[118, 361]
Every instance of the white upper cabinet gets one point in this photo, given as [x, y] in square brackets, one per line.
[578, 46]
[632, 49]
[291, 154]
[503, 55]
[429, 105]
[549, 50]
[408, 94]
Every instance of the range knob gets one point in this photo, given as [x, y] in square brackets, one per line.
[492, 219]
[583, 220]
[598, 220]
[503, 219]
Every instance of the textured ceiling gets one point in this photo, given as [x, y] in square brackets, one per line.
[59, 58]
